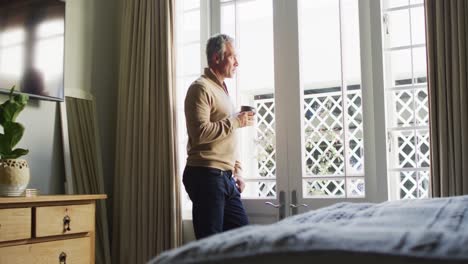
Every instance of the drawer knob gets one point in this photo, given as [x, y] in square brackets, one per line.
[63, 258]
[66, 223]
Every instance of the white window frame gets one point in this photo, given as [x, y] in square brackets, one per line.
[287, 74]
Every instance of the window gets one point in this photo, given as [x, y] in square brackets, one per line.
[303, 66]
[331, 74]
[251, 23]
[406, 99]
[188, 59]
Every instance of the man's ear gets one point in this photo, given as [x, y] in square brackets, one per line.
[215, 58]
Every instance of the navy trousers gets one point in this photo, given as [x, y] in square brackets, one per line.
[217, 206]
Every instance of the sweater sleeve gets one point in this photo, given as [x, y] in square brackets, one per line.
[197, 115]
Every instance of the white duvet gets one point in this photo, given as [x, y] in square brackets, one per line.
[431, 229]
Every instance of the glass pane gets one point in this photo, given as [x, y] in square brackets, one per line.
[418, 25]
[333, 121]
[191, 4]
[228, 19]
[352, 79]
[319, 28]
[321, 71]
[191, 26]
[401, 113]
[355, 187]
[394, 3]
[412, 184]
[254, 86]
[355, 134]
[404, 147]
[423, 148]
[419, 64]
[259, 189]
[324, 133]
[416, 2]
[255, 43]
[408, 185]
[399, 65]
[326, 188]
[423, 184]
[191, 56]
[398, 28]
[188, 67]
[407, 106]
[421, 107]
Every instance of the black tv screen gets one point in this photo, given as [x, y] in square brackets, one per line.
[32, 47]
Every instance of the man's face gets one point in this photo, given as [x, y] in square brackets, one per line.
[227, 67]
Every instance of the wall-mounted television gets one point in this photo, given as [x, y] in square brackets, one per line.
[32, 34]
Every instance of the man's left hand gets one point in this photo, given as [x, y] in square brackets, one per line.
[240, 183]
[238, 176]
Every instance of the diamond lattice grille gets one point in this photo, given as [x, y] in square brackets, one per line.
[406, 149]
[324, 187]
[324, 134]
[421, 107]
[355, 187]
[404, 108]
[265, 146]
[408, 185]
[423, 184]
[423, 148]
[414, 184]
[324, 147]
[355, 133]
[266, 189]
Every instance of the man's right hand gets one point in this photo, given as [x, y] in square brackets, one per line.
[246, 118]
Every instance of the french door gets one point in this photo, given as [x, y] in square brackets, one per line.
[303, 66]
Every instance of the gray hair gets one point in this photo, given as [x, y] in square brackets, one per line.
[217, 45]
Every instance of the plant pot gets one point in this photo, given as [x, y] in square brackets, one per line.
[14, 177]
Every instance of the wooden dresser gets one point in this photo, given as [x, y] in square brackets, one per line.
[48, 229]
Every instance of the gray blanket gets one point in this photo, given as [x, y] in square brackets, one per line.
[428, 229]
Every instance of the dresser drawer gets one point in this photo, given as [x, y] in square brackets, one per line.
[74, 251]
[15, 224]
[59, 220]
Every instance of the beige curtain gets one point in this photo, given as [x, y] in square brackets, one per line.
[447, 57]
[86, 165]
[147, 215]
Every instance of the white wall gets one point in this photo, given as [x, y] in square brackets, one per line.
[91, 65]
[91, 69]
[42, 136]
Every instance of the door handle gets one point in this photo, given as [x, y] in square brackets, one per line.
[280, 205]
[296, 206]
[272, 204]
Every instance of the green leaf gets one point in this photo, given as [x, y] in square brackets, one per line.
[16, 153]
[13, 133]
[21, 99]
[2, 119]
[4, 146]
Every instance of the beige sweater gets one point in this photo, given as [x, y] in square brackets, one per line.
[210, 120]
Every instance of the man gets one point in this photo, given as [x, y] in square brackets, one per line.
[212, 175]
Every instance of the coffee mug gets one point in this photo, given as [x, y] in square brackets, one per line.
[247, 108]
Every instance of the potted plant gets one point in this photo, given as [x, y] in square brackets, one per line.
[14, 172]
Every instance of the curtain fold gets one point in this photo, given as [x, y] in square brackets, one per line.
[86, 165]
[447, 57]
[147, 215]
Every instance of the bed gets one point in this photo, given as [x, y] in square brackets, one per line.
[409, 231]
